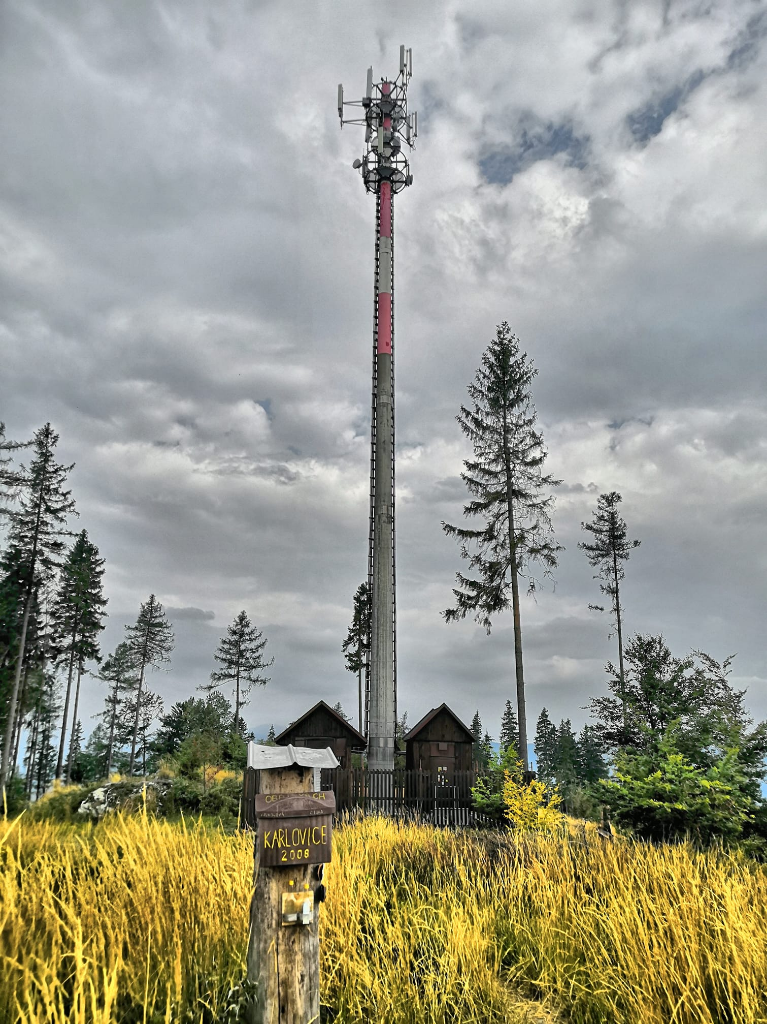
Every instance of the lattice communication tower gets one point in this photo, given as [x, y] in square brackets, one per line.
[385, 171]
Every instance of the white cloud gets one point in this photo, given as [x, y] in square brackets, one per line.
[185, 275]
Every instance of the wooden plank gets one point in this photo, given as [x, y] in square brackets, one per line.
[293, 828]
[285, 961]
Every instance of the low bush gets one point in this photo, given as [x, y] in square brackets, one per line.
[60, 804]
[222, 800]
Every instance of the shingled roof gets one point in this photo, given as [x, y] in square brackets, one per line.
[357, 737]
[433, 714]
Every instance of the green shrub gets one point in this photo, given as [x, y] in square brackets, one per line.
[223, 799]
[662, 796]
[60, 804]
[183, 797]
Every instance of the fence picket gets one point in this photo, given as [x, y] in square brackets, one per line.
[398, 793]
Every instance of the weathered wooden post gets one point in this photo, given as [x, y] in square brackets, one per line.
[293, 841]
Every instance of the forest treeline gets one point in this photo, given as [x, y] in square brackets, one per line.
[670, 750]
[52, 613]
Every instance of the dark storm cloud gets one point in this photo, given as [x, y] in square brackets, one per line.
[185, 279]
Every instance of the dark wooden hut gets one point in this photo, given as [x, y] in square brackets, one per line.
[321, 726]
[439, 743]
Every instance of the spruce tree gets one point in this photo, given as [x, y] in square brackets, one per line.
[566, 758]
[34, 691]
[118, 672]
[90, 764]
[509, 487]
[400, 731]
[10, 480]
[337, 707]
[486, 750]
[40, 754]
[151, 709]
[149, 643]
[75, 748]
[609, 549]
[690, 700]
[546, 747]
[356, 646]
[476, 732]
[77, 613]
[240, 654]
[591, 763]
[272, 737]
[36, 528]
[14, 571]
[509, 735]
[13, 579]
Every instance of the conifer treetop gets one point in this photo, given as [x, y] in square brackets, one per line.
[151, 639]
[509, 728]
[504, 477]
[610, 545]
[38, 523]
[240, 654]
[10, 479]
[357, 643]
[79, 605]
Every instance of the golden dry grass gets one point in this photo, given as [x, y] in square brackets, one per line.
[139, 920]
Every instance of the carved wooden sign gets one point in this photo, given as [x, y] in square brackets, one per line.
[295, 828]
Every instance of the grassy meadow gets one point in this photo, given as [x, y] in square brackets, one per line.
[143, 920]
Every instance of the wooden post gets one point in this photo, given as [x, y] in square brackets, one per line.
[284, 959]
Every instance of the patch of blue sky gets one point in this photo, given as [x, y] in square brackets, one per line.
[534, 140]
[647, 121]
[748, 43]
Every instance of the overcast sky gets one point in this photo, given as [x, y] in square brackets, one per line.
[186, 265]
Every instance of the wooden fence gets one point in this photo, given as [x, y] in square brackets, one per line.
[395, 793]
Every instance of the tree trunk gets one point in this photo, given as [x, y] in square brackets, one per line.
[32, 750]
[620, 643]
[237, 699]
[23, 639]
[112, 732]
[519, 671]
[74, 723]
[521, 712]
[11, 723]
[359, 694]
[19, 722]
[41, 780]
[135, 721]
[65, 718]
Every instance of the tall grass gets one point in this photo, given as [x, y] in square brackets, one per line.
[131, 920]
[136, 920]
[626, 933]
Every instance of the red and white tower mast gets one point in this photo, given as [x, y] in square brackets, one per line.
[385, 171]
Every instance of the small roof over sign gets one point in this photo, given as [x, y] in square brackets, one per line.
[283, 757]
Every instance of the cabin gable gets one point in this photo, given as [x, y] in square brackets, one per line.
[322, 727]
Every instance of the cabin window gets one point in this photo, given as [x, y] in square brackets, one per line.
[442, 747]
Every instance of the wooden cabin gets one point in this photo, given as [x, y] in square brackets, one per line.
[321, 726]
[440, 743]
